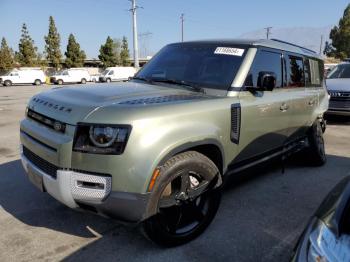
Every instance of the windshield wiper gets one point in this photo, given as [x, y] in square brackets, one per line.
[148, 80]
[189, 85]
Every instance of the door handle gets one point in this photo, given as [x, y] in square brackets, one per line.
[284, 107]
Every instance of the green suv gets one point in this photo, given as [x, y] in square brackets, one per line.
[155, 150]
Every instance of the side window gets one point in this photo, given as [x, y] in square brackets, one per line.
[295, 72]
[111, 73]
[313, 72]
[268, 62]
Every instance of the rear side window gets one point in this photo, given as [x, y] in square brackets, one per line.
[268, 62]
[313, 72]
[295, 72]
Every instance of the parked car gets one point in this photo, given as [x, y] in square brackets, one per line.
[34, 76]
[73, 75]
[327, 236]
[338, 86]
[95, 78]
[117, 74]
[155, 150]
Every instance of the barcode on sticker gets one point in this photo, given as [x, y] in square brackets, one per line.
[229, 51]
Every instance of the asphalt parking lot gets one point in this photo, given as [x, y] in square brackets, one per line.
[263, 212]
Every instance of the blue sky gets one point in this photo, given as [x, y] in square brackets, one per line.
[91, 21]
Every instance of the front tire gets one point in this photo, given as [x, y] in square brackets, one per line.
[187, 199]
[7, 83]
[37, 82]
[316, 153]
[83, 81]
[60, 82]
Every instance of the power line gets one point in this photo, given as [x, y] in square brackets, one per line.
[144, 39]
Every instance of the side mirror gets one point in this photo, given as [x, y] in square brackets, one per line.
[267, 81]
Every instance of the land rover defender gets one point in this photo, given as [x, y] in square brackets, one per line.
[155, 150]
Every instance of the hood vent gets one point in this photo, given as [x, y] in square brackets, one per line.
[161, 99]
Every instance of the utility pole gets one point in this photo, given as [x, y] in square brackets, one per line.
[268, 31]
[321, 45]
[134, 30]
[182, 18]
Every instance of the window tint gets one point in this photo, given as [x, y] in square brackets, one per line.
[340, 71]
[265, 61]
[111, 73]
[313, 71]
[295, 68]
[205, 65]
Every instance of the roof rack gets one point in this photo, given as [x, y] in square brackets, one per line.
[285, 42]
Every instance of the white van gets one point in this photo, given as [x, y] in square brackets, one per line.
[73, 75]
[28, 75]
[117, 74]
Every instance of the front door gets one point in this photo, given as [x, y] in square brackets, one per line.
[265, 115]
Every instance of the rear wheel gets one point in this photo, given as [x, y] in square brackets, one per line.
[37, 82]
[83, 81]
[7, 83]
[60, 82]
[187, 199]
[316, 153]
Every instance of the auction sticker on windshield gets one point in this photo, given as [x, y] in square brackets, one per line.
[229, 51]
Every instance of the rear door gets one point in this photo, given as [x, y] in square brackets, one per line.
[314, 84]
[264, 114]
[303, 97]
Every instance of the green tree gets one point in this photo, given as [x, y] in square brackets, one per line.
[74, 56]
[6, 56]
[328, 49]
[108, 54]
[340, 36]
[26, 54]
[124, 53]
[52, 46]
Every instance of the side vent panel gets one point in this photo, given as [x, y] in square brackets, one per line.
[235, 122]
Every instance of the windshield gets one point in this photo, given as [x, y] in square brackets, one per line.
[206, 65]
[340, 71]
[105, 72]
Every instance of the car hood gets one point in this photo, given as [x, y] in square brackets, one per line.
[73, 104]
[338, 84]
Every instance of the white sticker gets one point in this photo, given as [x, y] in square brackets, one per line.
[229, 51]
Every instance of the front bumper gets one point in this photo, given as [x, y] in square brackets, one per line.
[79, 190]
[338, 112]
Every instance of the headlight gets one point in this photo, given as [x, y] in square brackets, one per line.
[101, 139]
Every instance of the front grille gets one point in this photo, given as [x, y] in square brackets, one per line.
[40, 163]
[339, 104]
[47, 121]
